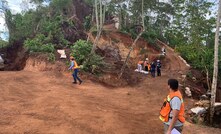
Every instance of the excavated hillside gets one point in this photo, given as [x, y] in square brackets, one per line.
[42, 99]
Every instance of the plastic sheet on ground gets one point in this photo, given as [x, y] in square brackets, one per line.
[62, 53]
[142, 71]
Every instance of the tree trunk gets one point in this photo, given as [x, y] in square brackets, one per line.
[96, 14]
[101, 15]
[104, 14]
[99, 26]
[215, 71]
[143, 14]
[92, 16]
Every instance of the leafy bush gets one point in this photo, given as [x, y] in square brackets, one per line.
[3, 43]
[87, 23]
[150, 36]
[38, 44]
[200, 57]
[81, 50]
[93, 64]
[51, 57]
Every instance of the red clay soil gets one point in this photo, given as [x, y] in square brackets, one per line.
[39, 101]
[47, 102]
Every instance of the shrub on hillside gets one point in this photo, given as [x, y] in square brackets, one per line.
[150, 36]
[3, 43]
[81, 50]
[200, 57]
[38, 44]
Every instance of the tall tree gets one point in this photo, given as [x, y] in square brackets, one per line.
[99, 21]
[215, 71]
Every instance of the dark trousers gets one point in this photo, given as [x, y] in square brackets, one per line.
[146, 68]
[75, 76]
[158, 72]
[153, 73]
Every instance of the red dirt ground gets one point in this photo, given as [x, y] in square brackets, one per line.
[48, 103]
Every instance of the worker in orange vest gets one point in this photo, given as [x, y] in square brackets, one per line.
[139, 65]
[172, 111]
[74, 66]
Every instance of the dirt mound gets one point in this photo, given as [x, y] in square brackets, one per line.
[15, 56]
[40, 62]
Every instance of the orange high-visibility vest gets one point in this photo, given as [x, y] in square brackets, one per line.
[75, 65]
[149, 66]
[166, 108]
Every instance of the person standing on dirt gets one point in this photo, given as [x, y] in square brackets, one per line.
[158, 68]
[146, 65]
[153, 69]
[164, 51]
[74, 66]
[139, 66]
[172, 111]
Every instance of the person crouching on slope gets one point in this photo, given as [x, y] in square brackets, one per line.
[74, 66]
[172, 111]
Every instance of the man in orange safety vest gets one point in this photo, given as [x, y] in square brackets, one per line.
[74, 66]
[172, 111]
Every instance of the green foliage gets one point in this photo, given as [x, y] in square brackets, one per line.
[51, 57]
[81, 50]
[39, 44]
[87, 23]
[150, 36]
[189, 75]
[52, 28]
[3, 43]
[200, 57]
[44, 20]
[131, 31]
[93, 64]
[18, 24]
[60, 5]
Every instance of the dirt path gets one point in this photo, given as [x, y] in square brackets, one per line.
[47, 102]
